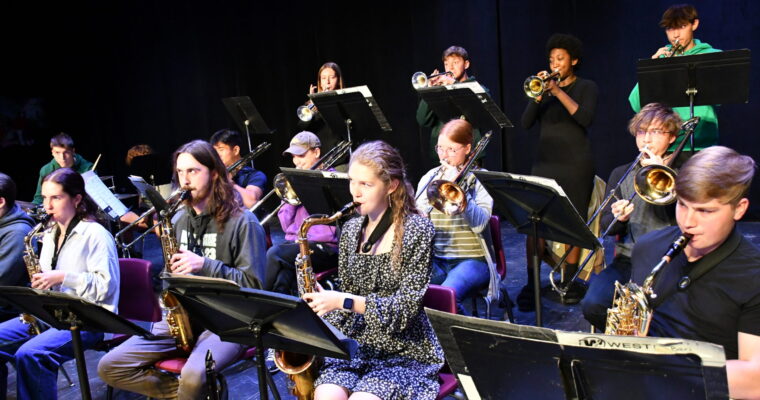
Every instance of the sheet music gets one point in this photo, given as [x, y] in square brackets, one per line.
[334, 175]
[539, 180]
[103, 197]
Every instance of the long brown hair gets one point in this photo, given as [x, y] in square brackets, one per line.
[388, 165]
[222, 203]
[73, 184]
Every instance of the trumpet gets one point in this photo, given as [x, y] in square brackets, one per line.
[675, 50]
[421, 80]
[285, 192]
[450, 197]
[306, 112]
[534, 86]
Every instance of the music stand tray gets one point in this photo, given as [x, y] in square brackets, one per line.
[66, 312]
[321, 192]
[467, 99]
[262, 319]
[551, 364]
[245, 114]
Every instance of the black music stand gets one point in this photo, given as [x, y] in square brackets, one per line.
[321, 192]
[245, 114]
[262, 319]
[352, 109]
[536, 206]
[551, 364]
[695, 80]
[468, 100]
[66, 312]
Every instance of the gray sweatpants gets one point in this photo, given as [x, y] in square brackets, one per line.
[130, 365]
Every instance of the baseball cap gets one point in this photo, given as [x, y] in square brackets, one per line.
[302, 142]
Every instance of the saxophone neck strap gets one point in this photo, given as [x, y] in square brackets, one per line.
[379, 231]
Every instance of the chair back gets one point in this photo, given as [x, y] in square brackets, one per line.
[137, 301]
[440, 298]
[494, 225]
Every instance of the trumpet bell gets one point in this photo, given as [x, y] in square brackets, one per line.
[655, 184]
[534, 86]
[446, 197]
[419, 80]
[305, 113]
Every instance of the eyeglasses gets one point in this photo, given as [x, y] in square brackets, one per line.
[653, 132]
[448, 150]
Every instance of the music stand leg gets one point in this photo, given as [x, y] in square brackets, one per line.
[248, 136]
[536, 271]
[348, 135]
[76, 342]
[264, 377]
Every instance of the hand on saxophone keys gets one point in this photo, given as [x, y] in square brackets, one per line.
[46, 280]
[186, 262]
[324, 301]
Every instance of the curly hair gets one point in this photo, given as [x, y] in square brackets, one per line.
[388, 165]
[569, 43]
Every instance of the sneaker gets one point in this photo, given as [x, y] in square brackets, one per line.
[269, 362]
[575, 293]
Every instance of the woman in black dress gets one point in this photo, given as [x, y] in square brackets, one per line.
[564, 112]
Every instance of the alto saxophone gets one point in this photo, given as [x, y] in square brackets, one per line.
[302, 368]
[631, 311]
[176, 316]
[32, 262]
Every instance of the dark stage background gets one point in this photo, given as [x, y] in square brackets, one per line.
[117, 74]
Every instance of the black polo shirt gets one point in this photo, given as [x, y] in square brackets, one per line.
[714, 307]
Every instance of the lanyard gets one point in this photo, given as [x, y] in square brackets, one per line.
[69, 230]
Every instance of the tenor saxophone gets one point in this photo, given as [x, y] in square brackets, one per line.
[302, 368]
[32, 262]
[631, 311]
[176, 316]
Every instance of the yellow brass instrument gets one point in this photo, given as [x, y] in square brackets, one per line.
[285, 192]
[449, 197]
[306, 112]
[631, 311]
[239, 164]
[534, 86]
[421, 80]
[176, 316]
[32, 262]
[302, 368]
[675, 50]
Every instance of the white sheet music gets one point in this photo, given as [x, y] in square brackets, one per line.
[541, 181]
[103, 197]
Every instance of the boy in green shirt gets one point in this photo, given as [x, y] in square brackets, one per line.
[64, 156]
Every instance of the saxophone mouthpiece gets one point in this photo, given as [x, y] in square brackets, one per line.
[348, 208]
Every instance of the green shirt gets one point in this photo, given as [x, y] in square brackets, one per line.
[706, 134]
[427, 118]
[80, 165]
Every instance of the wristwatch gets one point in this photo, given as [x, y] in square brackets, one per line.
[348, 303]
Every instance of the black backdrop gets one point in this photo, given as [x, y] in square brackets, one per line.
[115, 75]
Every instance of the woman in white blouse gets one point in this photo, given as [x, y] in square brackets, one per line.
[78, 257]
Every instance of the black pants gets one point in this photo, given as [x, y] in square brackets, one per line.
[281, 264]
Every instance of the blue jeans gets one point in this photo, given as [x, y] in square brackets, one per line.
[602, 289]
[465, 275]
[37, 358]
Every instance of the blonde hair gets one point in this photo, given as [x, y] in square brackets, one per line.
[716, 172]
[388, 165]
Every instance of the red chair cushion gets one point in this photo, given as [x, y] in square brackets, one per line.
[173, 365]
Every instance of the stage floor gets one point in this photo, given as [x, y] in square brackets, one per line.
[242, 379]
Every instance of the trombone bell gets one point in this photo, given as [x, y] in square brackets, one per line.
[655, 184]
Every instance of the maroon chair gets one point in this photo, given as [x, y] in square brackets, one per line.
[442, 298]
[494, 227]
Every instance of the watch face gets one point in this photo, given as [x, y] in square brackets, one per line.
[348, 303]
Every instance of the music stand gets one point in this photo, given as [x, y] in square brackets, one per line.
[575, 365]
[261, 319]
[467, 99]
[700, 79]
[352, 108]
[321, 192]
[245, 114]
[67, 312]
[538, 207]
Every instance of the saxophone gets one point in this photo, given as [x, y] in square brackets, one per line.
[176, 316]
[302, 368]
[631, 311]
[32, 262]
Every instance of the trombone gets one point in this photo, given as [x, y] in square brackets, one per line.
[655, 184]
[239, 164]
[534, 86]
[285, 192]
[450, 197]
[421, 80]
